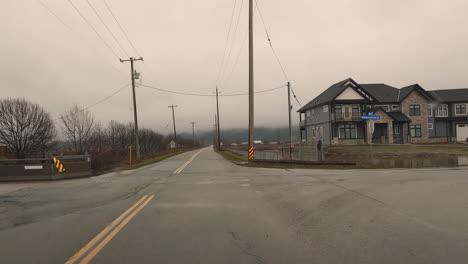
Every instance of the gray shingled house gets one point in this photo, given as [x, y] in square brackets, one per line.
[407, 115]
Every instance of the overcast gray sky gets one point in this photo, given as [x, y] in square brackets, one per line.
[396, 42]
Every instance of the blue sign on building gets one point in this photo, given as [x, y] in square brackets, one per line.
[370, 117]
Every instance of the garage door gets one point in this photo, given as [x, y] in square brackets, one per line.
[462, 132]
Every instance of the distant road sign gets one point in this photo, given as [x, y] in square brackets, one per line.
[370, 117]
[172, 144]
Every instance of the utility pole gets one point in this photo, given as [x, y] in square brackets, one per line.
[251, 83]
[173, 122]
[135, 114]
[193, 134]
[290, 129]
[218, 129]
[215, 133]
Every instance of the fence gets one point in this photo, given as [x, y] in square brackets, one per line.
[282, 152]
[44, 169]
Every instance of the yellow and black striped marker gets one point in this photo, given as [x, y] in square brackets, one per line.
[58, 164]
[251, 153]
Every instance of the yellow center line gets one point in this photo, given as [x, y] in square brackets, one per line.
[91, 243]
[181, 168]
[114, 232]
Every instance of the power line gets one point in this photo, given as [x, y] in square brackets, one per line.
[257, 92]
[273, 50]
[53, 13]
[71, 30]
[102, 100]
[209, 95]
[237, 59]
[108, 29]
[89, 24]
[121, 28]
[108, 97]
[174, 92]
[233, 40]
[269, 41]
[227, 41]
[295, 97]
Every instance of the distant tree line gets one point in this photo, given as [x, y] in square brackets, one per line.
[26, 128]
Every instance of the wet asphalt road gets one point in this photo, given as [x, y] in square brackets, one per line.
[207, 210]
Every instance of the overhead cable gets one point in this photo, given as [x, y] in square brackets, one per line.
[121, 28]
[56, 16]
[227, 42]
[102, 100]
[91, 26]
[108, 29]
[208, 95]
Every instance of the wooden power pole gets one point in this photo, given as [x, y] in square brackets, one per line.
[290, 128]
[135, 114]
[218, 131]
[173, 122]
[251, 83]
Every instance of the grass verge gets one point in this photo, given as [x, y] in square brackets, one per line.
[152, 161]
[231, 155]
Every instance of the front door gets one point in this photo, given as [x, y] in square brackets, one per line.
[397, 134]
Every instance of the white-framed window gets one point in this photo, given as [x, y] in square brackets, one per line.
[429, 110]
[442, 110]
[430, 126]
[385, 107]
[325, 108]
[460, 109]
[313, 113]
[395, 107]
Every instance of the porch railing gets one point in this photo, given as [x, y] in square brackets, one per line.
[347, 116]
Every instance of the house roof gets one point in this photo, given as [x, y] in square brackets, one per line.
[333, 91]
[405, 91]
[396, 116]
[382, 92]
[451, 95]
[399, 117]
[326, 96]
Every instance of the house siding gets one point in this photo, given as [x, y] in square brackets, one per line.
[320, 121]
[415, 97]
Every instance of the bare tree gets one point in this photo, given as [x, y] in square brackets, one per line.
[150, 141]
[78, 127]
[119, 136]
[98, 141]
[25, 127]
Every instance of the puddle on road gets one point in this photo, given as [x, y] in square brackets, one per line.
[413, 162]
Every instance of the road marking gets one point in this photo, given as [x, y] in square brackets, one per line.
[106, 240]
[181, 168]
[104, 232]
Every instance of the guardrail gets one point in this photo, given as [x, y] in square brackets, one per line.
[44, 168]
